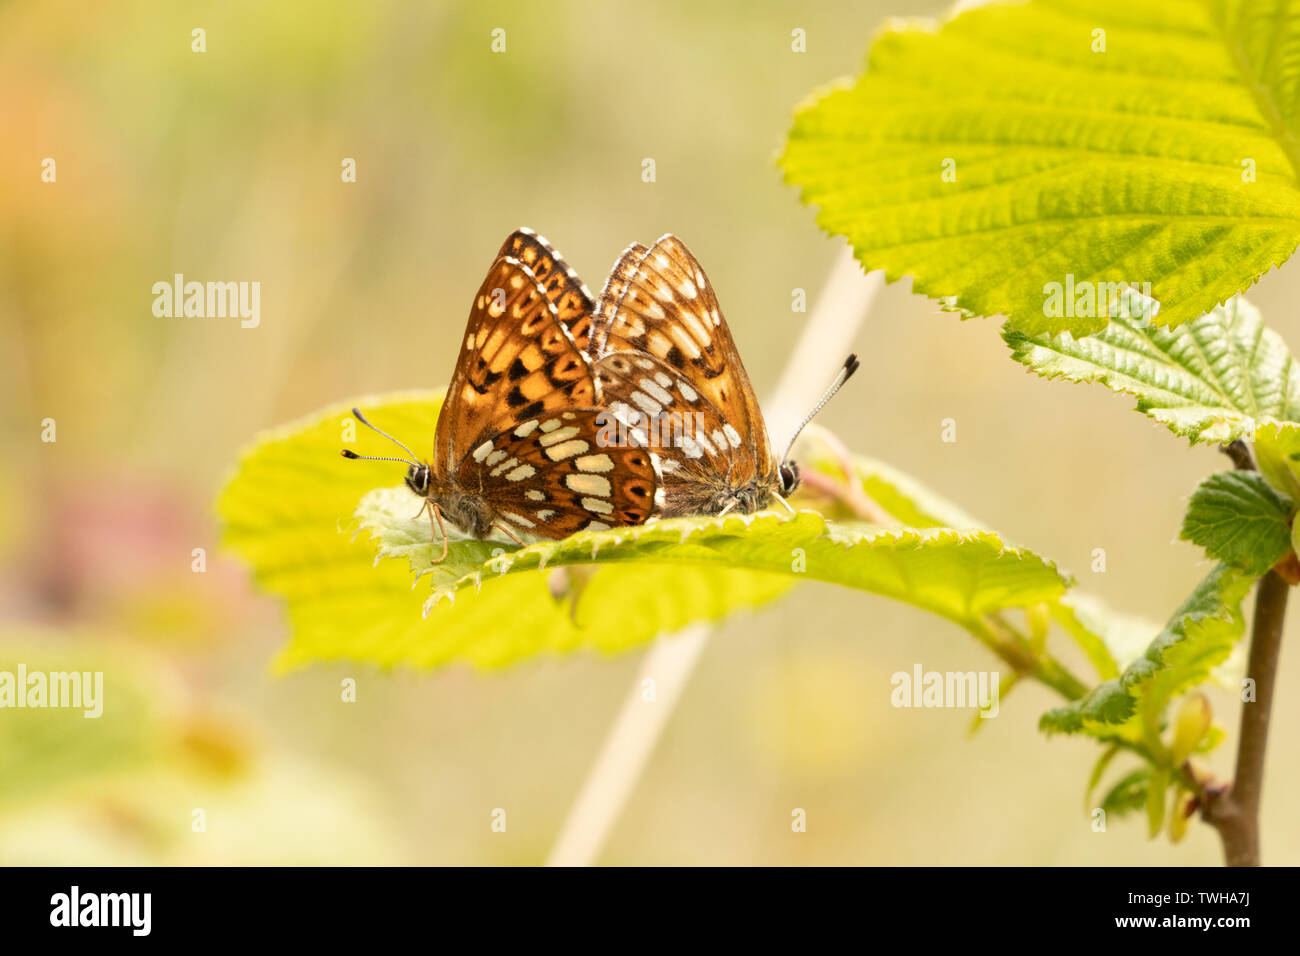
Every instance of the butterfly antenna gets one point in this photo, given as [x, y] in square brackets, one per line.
[846, 372]
[362, 419]
[348, 453]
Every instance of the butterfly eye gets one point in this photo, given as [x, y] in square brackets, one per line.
[417, 479]
[789, 479]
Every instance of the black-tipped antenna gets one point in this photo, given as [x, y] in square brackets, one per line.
[846, 372]
[362, 418]
[354, 456]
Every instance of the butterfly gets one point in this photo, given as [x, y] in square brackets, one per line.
[516, 446]
[666, 366]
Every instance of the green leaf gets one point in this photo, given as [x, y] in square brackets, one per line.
[1199, 636]
[1098, 770]
[1156, 800]
[1238, 518]
[1277, 453]
[1212, 380]
[1110, 639]
[288, 511]
[1213, 737]
[958, 574]
[1122, 166]
[909, 500]
[1087, 630]
[1129, 794]
[1221, 377]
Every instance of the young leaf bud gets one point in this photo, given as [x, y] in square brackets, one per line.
[1190, 726]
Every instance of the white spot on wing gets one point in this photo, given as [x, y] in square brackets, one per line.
[568, 449]
[655, 390]
[588, 484]
[646, 404]
[595, 463]
[554, 436]
[696, 327]
[685, 342]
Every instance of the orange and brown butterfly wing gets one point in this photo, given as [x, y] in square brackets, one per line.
[659, 302]
[611, 295]
[573, 302]
[559, 472]
[517, 361]
[702, 457]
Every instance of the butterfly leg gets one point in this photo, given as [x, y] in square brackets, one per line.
[723, 512]
[518, 540]
[435, 514]
[788, 506]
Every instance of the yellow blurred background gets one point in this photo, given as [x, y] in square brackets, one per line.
[225, 165]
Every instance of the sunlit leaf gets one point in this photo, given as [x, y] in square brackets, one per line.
[1212, 380]
[1238, 518]
[1129, 793]
[1199, 636]
[1077, 142]
[1220, 377]
[356, 586]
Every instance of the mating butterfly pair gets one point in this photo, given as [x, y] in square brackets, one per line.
[523, 442]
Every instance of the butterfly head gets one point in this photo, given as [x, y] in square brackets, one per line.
[417, 479]
[789, 475]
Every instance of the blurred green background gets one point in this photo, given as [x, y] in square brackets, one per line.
[225, 165]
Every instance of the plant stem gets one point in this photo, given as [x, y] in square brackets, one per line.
[627, 747]
[1234, 810]
[1240, 454]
